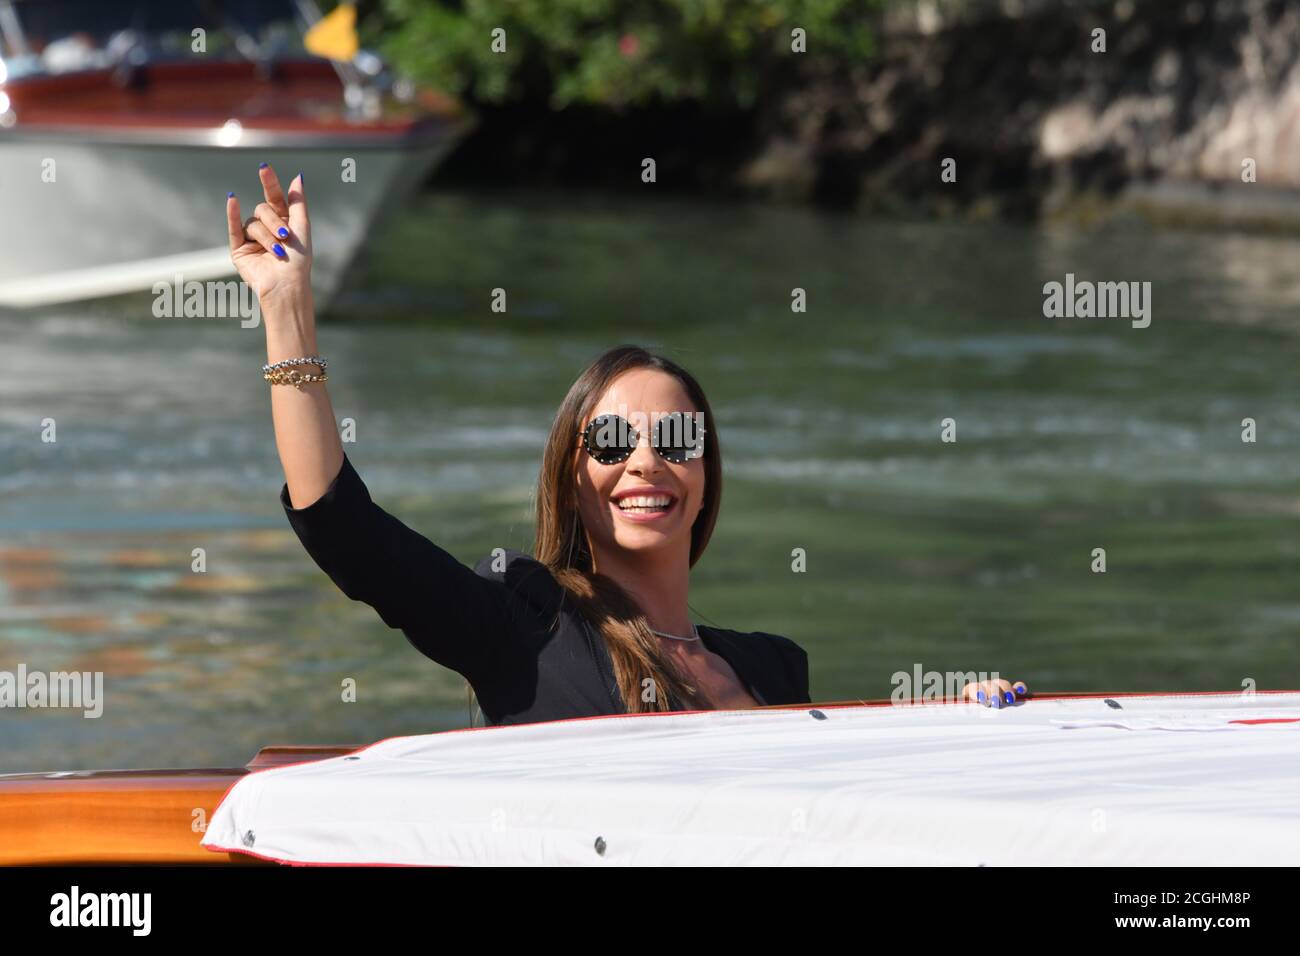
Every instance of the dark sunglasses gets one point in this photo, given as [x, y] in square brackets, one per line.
[676, 437]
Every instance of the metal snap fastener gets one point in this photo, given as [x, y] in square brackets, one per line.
[600, 845]
[248, 838]
[1114, 705]
[817, 714]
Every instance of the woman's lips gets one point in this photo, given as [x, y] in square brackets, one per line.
[644, 516]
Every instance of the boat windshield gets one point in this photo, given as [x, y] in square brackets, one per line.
[58, 36]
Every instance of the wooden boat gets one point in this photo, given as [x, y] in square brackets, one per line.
[122, 142]
[1121, 779]
[116, 817]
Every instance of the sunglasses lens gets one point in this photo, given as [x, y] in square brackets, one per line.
[679, 437]
[609, 439]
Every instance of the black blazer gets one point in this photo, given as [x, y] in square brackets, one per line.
[513, 634]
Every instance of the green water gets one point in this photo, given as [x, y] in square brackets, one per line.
[974, 555]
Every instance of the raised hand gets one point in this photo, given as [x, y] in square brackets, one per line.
[272, 248]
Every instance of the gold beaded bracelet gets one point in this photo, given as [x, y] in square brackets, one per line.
[276, 374]
[293, 377]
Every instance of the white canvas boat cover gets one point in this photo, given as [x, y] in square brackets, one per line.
[1205, 779]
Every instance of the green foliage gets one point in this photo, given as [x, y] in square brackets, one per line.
[616, 52]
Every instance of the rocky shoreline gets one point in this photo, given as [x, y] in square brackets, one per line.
[1190, 114]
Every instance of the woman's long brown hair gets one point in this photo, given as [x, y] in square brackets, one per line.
[562, 546]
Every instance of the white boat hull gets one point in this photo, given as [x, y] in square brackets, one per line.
[84, 220]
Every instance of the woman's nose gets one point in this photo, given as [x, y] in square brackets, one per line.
[643, 456]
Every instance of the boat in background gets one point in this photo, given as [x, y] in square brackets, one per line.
[119, 142]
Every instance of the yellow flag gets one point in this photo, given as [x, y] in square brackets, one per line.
[334, 36]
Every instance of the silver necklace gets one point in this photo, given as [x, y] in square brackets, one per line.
[695, 634]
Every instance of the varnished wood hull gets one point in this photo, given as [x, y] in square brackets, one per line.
[124, 816]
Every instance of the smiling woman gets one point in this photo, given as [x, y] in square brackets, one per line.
[623, 517]
[597, 623]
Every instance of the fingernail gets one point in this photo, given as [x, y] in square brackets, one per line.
[979, 696]
[283, 232]
[1021, 689]
[279, 250]
[263, 166]
[1009, 697]
[230, 195]
[302, 180]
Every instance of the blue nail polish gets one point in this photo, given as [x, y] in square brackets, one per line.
[283, 232]
[979, 696]
[230, 195]
[263, 166]
[278, 249]
[1021, 690]
[997, 701]
[302, 180]
[1010, 698]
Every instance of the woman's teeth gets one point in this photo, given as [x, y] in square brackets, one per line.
[645, 504]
